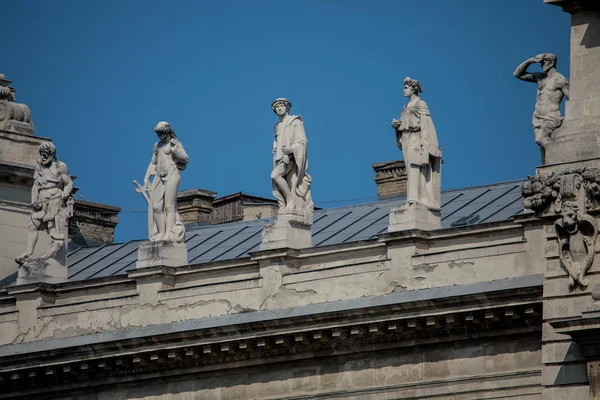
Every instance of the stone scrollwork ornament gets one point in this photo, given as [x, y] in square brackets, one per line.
[569, 194]
[576, 234]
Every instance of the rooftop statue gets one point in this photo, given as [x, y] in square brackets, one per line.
[551, 88]
[168, 159]
[291, 181]
[51, 202]
[417, 138]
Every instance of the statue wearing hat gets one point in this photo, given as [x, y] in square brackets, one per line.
[291, 182]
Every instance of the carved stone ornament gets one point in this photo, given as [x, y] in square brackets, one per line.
[14, 117]
[569, 194]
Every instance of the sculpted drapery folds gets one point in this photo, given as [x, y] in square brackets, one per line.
[52, 205]
[417, 138]
[291, 181]
[168, 159]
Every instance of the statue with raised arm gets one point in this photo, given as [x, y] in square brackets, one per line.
[291, 181]
[51, 202]
[552, 87]
[168, 159]
[417, 138]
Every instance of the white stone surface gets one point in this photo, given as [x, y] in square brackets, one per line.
[48, 270]
[417, 138]
[415, 216]
[168, 159]
[291, 181]
[292, 229]
[552, 87]
[163, 253]
[52, 207]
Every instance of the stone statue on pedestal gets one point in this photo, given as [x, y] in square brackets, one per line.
[168, 159]
[165, 226]
[552, 87]
[52, 207]
[417, 138]
[291, 181]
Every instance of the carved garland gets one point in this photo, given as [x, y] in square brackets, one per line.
[572, 193]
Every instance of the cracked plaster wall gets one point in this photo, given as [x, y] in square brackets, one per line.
[279, 283]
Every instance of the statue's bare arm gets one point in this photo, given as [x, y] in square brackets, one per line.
[35, 190]
[565, 87]
[521, 71]
[180, 154]
[66, 179]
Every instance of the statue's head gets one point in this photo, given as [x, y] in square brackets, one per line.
[48, 153]
[412, 86]
[570, 215]
[164, 131]
[548, 61]
[281, 106]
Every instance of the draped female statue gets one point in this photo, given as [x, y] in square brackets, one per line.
[416, 137]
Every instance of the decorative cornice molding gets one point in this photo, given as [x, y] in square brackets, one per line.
[277, 340]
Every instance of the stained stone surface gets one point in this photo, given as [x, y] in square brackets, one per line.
[416, 216]
[292, 229]
[50, 270]
[163, 253]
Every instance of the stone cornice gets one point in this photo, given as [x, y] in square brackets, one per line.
[259, 338]
[575, 6]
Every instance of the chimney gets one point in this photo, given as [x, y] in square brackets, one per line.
[93, 223]
[195, 205]
[390, 177]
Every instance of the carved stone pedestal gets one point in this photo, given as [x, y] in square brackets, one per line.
[48, 270]
[292, 229]
[415, 216]
[163, 253]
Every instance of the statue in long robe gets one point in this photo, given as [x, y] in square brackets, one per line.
[417, 138]
[291, 181]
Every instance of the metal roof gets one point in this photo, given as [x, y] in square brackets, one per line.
[468, 206]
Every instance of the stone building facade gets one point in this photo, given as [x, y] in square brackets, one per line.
[501, 303]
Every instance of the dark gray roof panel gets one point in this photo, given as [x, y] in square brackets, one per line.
[482, 204]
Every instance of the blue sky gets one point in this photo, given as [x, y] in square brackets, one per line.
[98, 75]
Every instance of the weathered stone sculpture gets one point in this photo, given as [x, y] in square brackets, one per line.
[552, 87]
[417, 138]
[165, 226]
[14, 117]
[570, 194]
[52, 206]
[291, 183]
[169, 157]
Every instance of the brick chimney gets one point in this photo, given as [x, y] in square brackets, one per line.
[93, 223]
[390, 177]
[195, 205]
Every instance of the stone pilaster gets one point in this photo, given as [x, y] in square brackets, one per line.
[565, 193]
